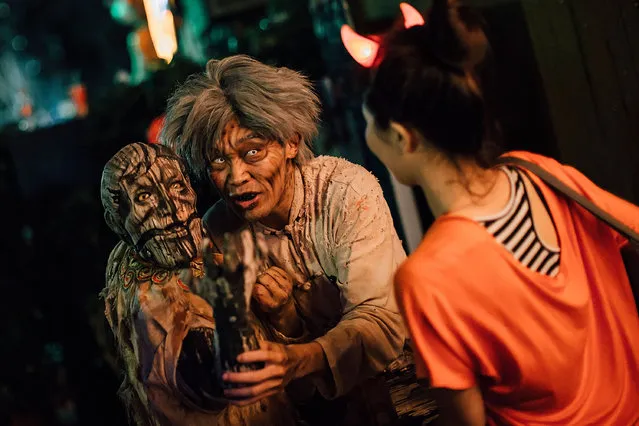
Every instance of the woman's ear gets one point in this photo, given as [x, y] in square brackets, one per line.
[403, 138]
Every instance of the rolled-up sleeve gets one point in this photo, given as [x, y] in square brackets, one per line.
[366, 252]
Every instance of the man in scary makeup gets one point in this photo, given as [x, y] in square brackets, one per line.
[247, 127]
[165, 333]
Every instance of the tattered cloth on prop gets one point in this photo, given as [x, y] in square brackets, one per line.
[150, 311]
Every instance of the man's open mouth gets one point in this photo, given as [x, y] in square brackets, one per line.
[245, 200]
[247, 196]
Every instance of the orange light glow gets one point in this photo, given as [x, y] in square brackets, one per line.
[26, 110]
[362, 49]
[161, 28]
[78, 93]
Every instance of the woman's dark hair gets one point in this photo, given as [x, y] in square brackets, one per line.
[426, 79]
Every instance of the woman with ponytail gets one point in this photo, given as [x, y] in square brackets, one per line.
[517, 299]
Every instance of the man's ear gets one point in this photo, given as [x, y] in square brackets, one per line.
[292, 146]
[403, 138]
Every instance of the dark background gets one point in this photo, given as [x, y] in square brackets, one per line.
[566, 75]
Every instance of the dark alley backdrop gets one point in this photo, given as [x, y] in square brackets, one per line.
[72, 92]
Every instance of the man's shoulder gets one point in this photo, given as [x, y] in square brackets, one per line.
[337, 174]
[336, 169]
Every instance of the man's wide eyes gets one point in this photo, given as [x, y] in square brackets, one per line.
[220, 161]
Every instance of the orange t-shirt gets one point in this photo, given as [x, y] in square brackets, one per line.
[560, 350]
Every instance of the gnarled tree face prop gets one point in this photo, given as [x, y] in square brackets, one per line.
[149, 202]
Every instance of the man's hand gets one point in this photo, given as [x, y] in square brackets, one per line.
[273, 296]
[273, 290]
[282, 363]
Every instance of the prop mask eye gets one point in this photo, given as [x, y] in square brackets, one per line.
[142, 196]
[177, 186]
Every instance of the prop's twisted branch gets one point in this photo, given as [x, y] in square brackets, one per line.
[227, 288]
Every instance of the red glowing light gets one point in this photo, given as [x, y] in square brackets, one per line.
[78, 93]
[153, 132]
[362, 49]
[412, 17]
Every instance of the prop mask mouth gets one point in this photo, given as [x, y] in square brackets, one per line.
[176, 230]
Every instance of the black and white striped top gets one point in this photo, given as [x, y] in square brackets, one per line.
[514, 228]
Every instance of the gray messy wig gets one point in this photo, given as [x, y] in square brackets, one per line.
[276, 103]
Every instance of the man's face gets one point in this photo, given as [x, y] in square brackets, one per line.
[162, 221]
[252, 174]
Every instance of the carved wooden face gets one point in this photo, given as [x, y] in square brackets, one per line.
[161, 220]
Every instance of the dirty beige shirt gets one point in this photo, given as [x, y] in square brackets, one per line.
[342, 250]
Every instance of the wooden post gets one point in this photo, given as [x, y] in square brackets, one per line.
[588, 56]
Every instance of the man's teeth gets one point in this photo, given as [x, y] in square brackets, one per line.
[245, 197]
